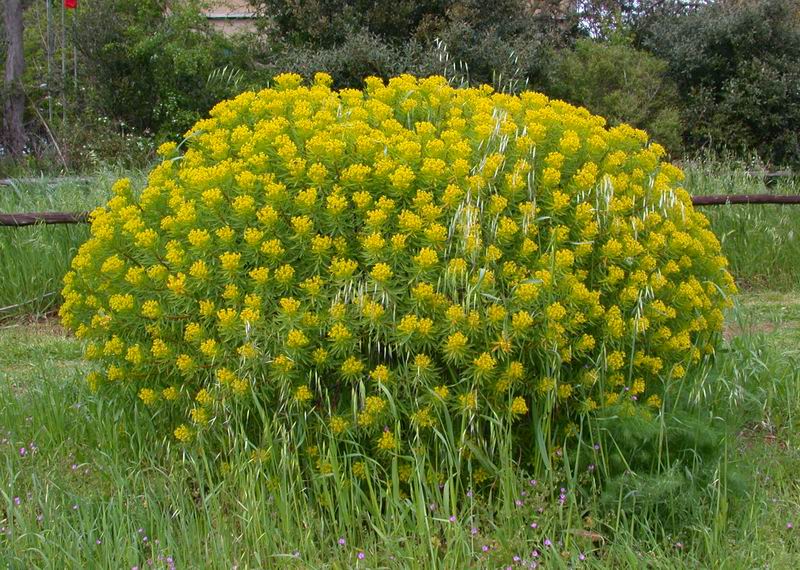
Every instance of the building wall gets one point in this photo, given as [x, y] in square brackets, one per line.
[230, 16]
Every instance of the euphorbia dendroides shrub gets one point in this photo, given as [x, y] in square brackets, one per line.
[384, 262]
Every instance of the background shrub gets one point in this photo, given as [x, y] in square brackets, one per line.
[622, 84]
[149, 66]
[737, 66]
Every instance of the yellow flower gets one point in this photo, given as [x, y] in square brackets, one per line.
[381, 272]
[185, 363]
[303, 394]
[422, 418]
[442, 392]
[426, 258]
[360, 470]
[484, 364]
[352, 368]
[338, 425]
[342, 269]
[387, 441]
[296, 339]
[469, 401]
[148, 396]
[455, 346]
[230, 261]
[204, 398]
[556, 312]
[183, 433]
[519, 407]
[170, 394]
[380, 373]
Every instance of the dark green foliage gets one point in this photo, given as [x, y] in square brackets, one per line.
[670, 472]
[360, 55]
[622, 84]
[148, 66]
[737, 65]
[324, 23]
[502, 43]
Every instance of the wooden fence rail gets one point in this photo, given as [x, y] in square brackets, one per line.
[50, 218]
[744, 199]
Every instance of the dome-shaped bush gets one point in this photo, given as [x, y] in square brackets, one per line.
[382, 262]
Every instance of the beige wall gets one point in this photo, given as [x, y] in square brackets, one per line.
[230, 16]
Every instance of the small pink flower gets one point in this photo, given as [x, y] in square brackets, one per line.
[361, 556]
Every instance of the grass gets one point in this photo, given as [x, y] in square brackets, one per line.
[34, 259]
[96, 487]
[88, 483]
[761, 242]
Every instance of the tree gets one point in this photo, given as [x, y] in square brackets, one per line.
[737, 66]
[13, 93]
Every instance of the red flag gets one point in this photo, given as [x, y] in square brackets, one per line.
[71, 4]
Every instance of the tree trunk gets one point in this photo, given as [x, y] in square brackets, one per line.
[14, 101]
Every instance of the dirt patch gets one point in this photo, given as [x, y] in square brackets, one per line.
[731, 331]
[47, 324]
[760, 434]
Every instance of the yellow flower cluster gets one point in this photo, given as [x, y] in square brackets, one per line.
[458, 248]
